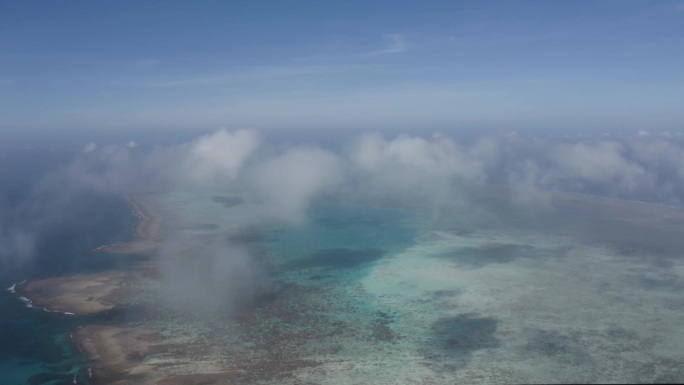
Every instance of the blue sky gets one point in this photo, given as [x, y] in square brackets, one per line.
[168, 66]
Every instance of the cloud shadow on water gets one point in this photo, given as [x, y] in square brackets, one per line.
[339, 258]
[228, 201]
[558, 346]
[487, 254]
[338, 223]
[198, 226]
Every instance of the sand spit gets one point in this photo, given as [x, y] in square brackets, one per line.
[80, 294]
[125, 355]
[147, 230]
[116, 352]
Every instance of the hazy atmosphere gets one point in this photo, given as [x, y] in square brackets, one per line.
[105, 69]
[353, 193]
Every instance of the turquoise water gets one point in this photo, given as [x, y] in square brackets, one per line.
[586, 291]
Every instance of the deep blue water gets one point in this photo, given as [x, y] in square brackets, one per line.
[35, 346]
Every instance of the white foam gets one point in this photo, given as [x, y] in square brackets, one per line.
[26, 301]
[29, 303]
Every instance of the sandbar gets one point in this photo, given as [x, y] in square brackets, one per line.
[79, 294]
[116, 353]
[147, 230]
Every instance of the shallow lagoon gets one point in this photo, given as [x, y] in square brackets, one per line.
[585, 290]
[492, 294]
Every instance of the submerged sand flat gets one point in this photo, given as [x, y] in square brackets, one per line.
[79, 294]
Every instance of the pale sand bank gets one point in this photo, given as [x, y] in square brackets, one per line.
[129, 355]
[116, 353]
[79, 294]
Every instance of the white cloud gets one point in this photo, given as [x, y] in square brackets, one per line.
[397, 43]
[90, 147]
[218, 157]
[288, 182]
[280, 184]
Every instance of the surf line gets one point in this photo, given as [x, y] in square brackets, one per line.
[13, 289]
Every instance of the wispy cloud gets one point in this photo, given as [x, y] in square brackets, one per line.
[396, 44]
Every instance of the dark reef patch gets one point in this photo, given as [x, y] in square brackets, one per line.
[246, 235]
[340, 258]
[441, 294]
[569, 347]
[339, 223]
[488, 254]
[491, 253]
[381, 328]
[618, 332]
[50, 378]
[664, 281]
[228, 201]
[462, 335]
[198, 226]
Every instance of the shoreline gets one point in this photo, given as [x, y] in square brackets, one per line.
[74, 295]
[147, 230]
[93, 293]
[29, 303]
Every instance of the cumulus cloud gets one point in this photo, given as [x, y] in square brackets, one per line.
[281, 183]
[417, 171]
[220, 275]
[217, 157]
[90, 147]
[288, 182]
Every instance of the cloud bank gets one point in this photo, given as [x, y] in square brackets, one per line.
[282, 182]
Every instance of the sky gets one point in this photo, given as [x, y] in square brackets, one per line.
[82, 69]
